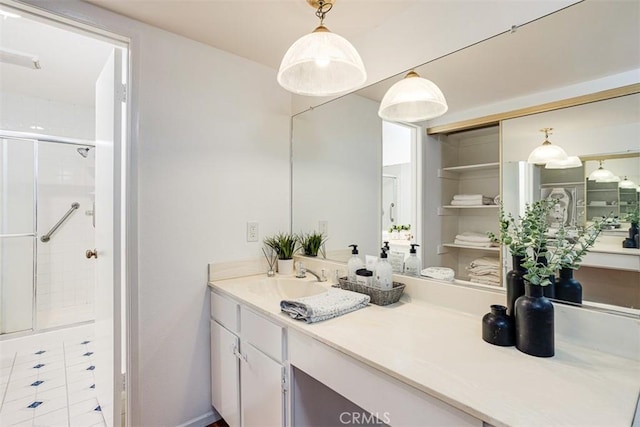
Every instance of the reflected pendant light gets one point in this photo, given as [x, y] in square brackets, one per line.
[412, 99]
[601, 174]
[626, 183]
[546, 152]
[571, 162]
[321, 63]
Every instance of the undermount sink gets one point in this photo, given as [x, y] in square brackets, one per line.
[286, 288]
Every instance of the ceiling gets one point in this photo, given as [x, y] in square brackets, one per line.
[583, 42]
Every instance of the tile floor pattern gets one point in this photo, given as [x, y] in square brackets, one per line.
[51, 385]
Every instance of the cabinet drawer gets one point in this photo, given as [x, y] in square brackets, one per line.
[225, 311]
[261, 333]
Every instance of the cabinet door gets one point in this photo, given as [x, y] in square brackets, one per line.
[262, 397]
[225, 374]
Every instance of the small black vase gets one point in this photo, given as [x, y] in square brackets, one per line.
[515, 282]
[568, 288]
[498, 328]
[534, 323]
[633, 232]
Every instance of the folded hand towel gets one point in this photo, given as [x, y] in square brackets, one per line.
[470, 197]
[316, 308]
[485, 281]
[474, 244]
[486, 260]
[478, 202]
[472, 236]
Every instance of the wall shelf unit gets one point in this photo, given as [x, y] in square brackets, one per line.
[495, 249]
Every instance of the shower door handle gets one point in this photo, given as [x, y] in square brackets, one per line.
[91, 254]
[391, 206]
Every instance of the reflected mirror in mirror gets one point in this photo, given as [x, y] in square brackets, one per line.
[603, 133]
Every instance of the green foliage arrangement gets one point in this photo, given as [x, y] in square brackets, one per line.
[284, 244]
[311, 243]
[633, 216]
[573, 249]
[399, 227]
[519, 234]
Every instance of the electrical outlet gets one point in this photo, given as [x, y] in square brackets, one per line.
[252, 231]
[323, 227]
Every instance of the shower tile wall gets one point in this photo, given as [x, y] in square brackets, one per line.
[65, 277]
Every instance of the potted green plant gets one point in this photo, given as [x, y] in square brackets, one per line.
[311, 243]
[632, 217]
[285, 245]
[572, 249]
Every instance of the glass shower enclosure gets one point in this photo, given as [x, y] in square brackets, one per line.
[46, 226]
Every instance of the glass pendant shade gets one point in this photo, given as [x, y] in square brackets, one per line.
[546, 153]
[602, 175]
[412, 99]
[626, 183]
[571, 162]
[321, 64]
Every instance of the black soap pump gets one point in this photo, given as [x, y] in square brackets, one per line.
[412, 264]
[354, 264]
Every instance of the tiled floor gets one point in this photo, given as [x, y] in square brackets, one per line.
[50, 385]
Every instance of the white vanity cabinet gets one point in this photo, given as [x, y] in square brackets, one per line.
[247, 365]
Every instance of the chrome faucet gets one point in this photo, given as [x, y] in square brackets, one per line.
[302, 273]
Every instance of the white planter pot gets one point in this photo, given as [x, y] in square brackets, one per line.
[285, 267]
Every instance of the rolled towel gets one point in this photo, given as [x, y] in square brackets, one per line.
[473, 236]
[316, 308]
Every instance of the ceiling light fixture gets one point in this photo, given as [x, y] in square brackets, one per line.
[546, 152]
[321, 63]
[626, 183]
[412, 99]
[601, 174]
[570, 162]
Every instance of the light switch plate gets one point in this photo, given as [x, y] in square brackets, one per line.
[252, 231]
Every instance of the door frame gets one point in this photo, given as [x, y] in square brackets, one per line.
[96, 23]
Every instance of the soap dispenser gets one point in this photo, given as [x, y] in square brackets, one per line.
[383, 274]
[354, 264]
[412, 264]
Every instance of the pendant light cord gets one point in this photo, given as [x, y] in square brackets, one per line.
[323, 9]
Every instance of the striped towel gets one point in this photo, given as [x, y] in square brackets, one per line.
[316, 308]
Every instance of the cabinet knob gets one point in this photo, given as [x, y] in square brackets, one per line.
[91, 254]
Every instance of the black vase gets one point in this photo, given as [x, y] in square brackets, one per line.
[568, 288]
[534, 323]
[498, 328]
[633, 232]
[515, 282]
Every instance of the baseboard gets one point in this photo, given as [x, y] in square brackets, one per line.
[203, 420]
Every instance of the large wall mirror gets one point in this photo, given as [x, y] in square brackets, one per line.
[344, 183]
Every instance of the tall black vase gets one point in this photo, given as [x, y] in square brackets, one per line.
[515, 282]
[534, 323]
[633, 232]
[568, 288]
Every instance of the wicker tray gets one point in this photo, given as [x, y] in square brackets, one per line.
[378, 296]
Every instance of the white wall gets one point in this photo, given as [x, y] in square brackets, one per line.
[30, 114]
[337, 173]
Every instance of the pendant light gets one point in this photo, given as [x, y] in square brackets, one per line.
[601, 174]
[321, 63]
[546, 152]
[571, 162]
[412, 99]
[626, 183]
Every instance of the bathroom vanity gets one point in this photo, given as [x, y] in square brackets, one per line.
[419, 359]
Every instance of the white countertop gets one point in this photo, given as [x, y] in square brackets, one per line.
[440, 352]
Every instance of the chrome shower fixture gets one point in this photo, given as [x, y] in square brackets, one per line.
[84, 151]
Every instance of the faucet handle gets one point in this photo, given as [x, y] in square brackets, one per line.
[301, 271]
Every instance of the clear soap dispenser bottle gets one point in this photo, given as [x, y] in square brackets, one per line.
[384, 273]
[354, 264]
[412, 264]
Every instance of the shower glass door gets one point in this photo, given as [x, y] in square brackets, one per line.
[17, 234]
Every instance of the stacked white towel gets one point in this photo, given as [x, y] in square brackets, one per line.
[485, 270]
[471, 200]
[472, 238]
